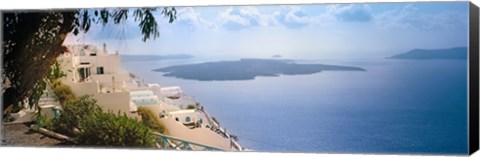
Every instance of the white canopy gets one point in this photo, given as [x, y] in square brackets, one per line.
[173, 91]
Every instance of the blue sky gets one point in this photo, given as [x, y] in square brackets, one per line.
[295, 31]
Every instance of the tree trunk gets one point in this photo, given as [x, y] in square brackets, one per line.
[32, 43]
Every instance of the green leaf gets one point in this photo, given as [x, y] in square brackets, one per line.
[87, 27]
[104, 15]
[85, 19]
[120, 15]
[75, 31]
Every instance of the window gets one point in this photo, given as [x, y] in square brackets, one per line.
[187, 119]
[84, 73]
[176, 118]
[100, 70]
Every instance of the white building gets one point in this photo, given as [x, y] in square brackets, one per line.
[91, 71]
[95, 72]
[174, 92]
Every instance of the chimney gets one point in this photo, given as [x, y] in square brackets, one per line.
[104, 48]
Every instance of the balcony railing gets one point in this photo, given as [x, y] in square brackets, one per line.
[168, 142]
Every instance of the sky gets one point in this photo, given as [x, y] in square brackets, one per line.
[360, 30]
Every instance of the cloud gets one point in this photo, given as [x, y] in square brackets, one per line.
[351, 13]
[239, 18]
[257, 18]
[410, 17]
[245, 17]
[297, 18]
[189, 17]
[233, 20]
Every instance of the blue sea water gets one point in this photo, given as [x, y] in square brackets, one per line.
[396, 106]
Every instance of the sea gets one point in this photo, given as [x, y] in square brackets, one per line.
[394, 107]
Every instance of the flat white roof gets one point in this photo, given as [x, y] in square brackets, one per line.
[153, 85]
[141, 93]
[183, 111]
[171, 88]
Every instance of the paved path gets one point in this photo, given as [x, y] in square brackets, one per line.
[22, 135]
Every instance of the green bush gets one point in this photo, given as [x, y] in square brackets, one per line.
[63, 92]
[84, 119]
[74, 111]
[190, 107]
[43, 121]
[150, 120]
[108, 129]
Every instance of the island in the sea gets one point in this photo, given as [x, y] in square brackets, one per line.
[450, 53]
[247, 69]
[277, 56]
[128, 58]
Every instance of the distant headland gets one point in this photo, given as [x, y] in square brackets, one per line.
[154, 57]
[451, 53]
[277, 56]
[247, 69]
